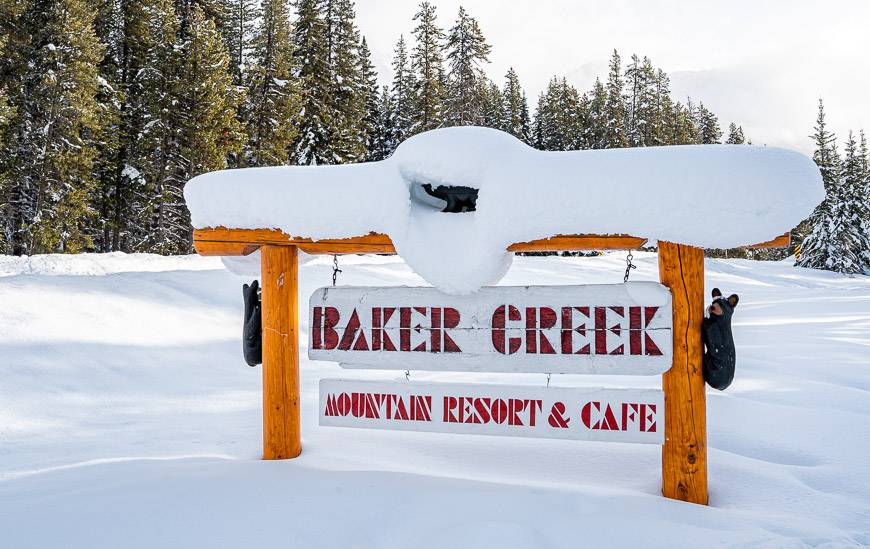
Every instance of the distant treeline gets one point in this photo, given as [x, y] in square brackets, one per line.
[107, 107]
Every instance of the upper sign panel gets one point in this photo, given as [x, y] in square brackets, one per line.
[590, 329]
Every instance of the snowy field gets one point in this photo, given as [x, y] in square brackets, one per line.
[129, 419]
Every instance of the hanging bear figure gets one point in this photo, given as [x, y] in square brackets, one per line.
[720, 355]
[252, 333]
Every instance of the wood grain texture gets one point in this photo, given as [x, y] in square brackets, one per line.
[233, 242]
[281, 426]
[684, 454]
[782, 241]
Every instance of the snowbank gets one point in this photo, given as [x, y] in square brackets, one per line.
[716, 196]
[128, 418]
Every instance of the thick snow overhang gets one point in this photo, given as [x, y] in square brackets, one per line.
[715, 196]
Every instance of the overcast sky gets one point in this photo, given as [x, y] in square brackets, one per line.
[762, 64]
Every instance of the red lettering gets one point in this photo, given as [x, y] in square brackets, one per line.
[499, 322]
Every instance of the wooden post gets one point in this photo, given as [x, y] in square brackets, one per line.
[684, 454]
[281, 426]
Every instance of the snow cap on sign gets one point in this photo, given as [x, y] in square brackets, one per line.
[714, 196]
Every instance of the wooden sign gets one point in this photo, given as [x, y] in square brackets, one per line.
[591, 329]
[615, 415]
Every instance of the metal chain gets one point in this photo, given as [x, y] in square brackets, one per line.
[335, 269]
[628, 266]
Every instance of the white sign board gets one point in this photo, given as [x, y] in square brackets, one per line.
[591, 329]
[614, 415]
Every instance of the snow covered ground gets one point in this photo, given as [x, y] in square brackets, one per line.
[128, 419]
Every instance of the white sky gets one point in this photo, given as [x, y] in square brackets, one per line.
[762, 63]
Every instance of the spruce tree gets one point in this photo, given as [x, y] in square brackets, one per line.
[240, 32]
[613, 119]
[491, 114]
[642, 108]
[201, 130]
[467, 50]
[854, 211]
[829, 244]
[312, 145]
[370, 101]
[272, 99]
[428, 69]
[383, 141]
[49, 153]
[402, 94]
[708, 126]
[515, 109]
[735, 135]
[559, 116]
[348, 89]
[594, 130]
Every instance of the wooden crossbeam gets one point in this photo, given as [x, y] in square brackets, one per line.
[235, 242]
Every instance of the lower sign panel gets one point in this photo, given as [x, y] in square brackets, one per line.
[615, 415]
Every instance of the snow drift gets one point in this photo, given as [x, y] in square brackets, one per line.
[715, 196]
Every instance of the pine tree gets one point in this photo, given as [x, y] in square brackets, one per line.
[829, 244]
[239, 33]
[865, 194]
[402, 94]
[735, 135]
[383, 141]
[11, 37]
[708, 126]
[427, 65]
[515, 109]
[642, 113]
[370, 101]
[558, 117]
[313, 141]
[49, 153]
[467, 50]
[272, 99]
[199, 130]
[348, 89]
[491, 114]
[613, 120]
[854, 212]
[593, 132]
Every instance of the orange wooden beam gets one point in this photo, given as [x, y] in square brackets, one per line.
[684, 453]
[234, 242]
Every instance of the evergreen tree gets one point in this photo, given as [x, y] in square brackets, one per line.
[272, 100]
[240, 33]
[594, 130]
[313, 141]
[735, 135]
[348, 89]
[491, 114]
[515, 109]
[49, 153]
[558, 117]
[427, 65]
[613, 120]
[467, 50]
[708, 126]
[202, 130]
[865, 195]
[402, 95]
[829, 244]
[370, 101]
[642, 113]
[383, 141]
[854, 212]
[663, 111]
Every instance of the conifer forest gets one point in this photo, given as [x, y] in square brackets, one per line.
[107, 108]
